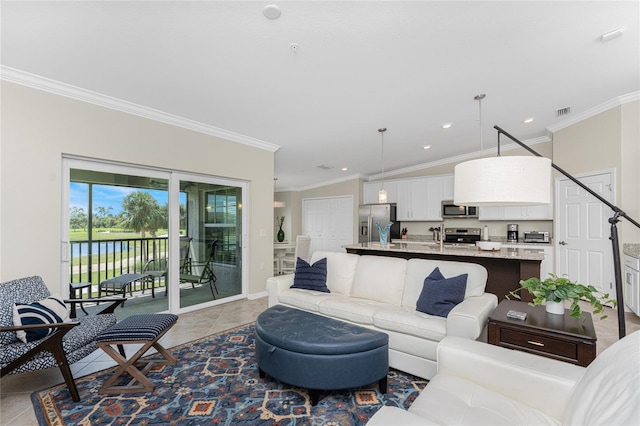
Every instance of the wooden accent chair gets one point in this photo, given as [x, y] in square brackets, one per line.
[68, 343]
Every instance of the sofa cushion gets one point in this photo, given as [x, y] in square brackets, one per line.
[380, 278]
[408, 321]
[360, 311]
[50, 310]
[609, 391]
[418, 269]
[440, 295]
[450, 400]
[341, 268]
[311, 276]
[308, 300]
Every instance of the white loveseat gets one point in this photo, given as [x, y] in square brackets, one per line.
[381, 293]
[481, 384]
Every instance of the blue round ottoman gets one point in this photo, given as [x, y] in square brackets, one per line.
[319, 353]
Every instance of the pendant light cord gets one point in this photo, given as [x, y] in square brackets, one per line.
[479, 98]
[382, 130]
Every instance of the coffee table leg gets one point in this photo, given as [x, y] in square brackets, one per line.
[314, 394]
[382, 384]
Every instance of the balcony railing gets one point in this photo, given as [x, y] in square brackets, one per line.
[97, 260]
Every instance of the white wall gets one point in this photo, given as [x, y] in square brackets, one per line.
[38, 128]
[609, 140]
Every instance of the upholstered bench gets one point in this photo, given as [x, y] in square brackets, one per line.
[319, 353]
[136, 329]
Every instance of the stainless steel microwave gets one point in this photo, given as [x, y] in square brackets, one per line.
[451, 210]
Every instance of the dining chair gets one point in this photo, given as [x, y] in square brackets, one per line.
[302, 251]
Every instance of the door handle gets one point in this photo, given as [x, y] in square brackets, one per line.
[562, 243]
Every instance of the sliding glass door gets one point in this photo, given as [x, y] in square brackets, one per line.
[182, 232]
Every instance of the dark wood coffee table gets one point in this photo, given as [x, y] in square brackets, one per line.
[560, 337]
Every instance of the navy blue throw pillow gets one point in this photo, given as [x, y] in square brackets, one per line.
[440, 295]
[311, 277]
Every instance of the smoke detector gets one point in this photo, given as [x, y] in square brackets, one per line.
[271, 11]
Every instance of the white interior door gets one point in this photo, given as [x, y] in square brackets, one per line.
[329, 222]
[583, 249]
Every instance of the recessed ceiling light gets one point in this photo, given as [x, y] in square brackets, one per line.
[271, 11]
[528, 120]
[344, 169]
[426, 147]
[447, 125]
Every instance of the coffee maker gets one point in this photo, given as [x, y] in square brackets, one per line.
[512, 233]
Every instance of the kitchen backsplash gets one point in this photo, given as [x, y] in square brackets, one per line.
[497, 229]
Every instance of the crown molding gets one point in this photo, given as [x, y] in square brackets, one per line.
[23, 78]
[598, 109]
[326, 183]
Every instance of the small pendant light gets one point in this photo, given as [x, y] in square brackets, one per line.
[382, 194]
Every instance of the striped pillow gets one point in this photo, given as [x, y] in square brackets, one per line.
[47, 311]
[311, 277]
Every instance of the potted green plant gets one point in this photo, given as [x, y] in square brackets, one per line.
[554, 290]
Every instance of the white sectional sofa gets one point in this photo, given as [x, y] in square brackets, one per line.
[482, 384]
[381, 293]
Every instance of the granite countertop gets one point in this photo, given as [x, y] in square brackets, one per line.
[632, 250]
[452, 250]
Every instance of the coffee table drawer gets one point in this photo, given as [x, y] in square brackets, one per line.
[537, 343]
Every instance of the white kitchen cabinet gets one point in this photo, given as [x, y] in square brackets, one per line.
[540, 212]
[420, 199]
[548, 263]
[447, 187]
[631, 286]
[371, 191]
[435, 194]
[412, 199]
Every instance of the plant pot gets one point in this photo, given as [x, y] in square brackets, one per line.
[556, 308]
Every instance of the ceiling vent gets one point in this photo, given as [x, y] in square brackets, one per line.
[325, 167]
[561, 112]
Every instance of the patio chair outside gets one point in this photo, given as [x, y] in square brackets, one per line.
[155, 269]
[185, 255]
[206, 274]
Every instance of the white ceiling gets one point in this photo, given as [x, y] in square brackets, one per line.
[408, 66]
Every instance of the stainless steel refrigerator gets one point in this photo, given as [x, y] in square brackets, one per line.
[370, 214]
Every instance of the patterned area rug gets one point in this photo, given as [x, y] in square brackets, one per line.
[216, 382]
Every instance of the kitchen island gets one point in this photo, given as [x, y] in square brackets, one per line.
[506, 267]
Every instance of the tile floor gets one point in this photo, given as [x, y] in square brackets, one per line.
[15, 390]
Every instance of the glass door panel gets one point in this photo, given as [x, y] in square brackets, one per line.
[211, 245]
[118, 222]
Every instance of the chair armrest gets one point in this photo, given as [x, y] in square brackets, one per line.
[275, 285]
[109, 309]
[543, 383]
[40, 326]
[468, 318]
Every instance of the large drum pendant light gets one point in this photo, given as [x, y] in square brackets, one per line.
[502, 181]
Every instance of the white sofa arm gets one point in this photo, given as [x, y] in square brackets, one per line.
[394, 416]
[275, 285]
[468, 318]
[541, 383]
